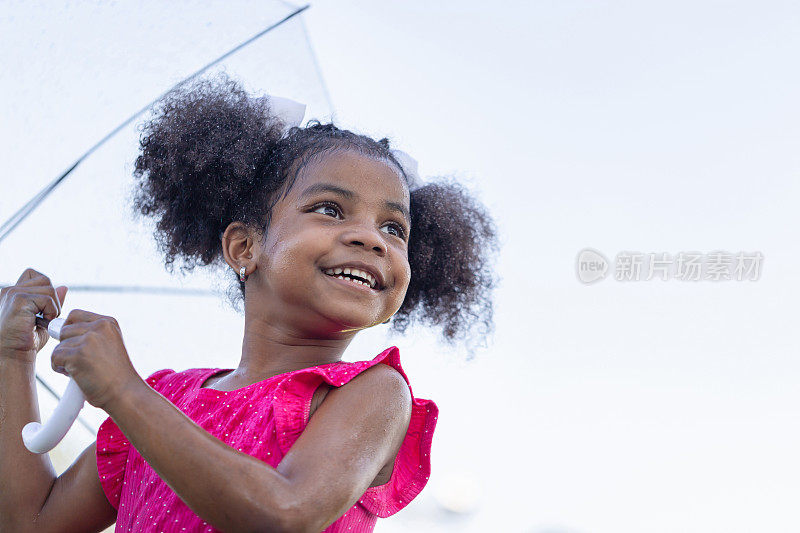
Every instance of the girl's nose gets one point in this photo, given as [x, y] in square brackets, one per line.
[367, 238]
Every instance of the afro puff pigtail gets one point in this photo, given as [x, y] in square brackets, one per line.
[451, 251]
[203, 163]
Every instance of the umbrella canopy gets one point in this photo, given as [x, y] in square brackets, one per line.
[74, 73]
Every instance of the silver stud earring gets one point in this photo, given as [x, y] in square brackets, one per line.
[242, 277]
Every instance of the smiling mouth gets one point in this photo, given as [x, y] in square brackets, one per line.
[351, 279]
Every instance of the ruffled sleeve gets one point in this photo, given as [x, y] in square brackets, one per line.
[112, 451]
[412, 466]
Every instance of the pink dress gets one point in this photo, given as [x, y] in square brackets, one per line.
[262, 420]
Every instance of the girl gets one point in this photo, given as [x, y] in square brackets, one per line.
[325, 236]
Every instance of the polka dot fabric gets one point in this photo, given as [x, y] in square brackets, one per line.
[263, 420]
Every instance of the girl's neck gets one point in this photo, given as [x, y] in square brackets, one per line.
[269, 350]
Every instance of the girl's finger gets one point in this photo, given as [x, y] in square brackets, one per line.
[38, 289]
[70, 331]
[38, 280]
[41, 281]
[77, 316]
[28, 275]
[34, 303]
[72, 342]
[59, 357]
[61, 292]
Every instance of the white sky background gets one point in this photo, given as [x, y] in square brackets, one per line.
[649, 406]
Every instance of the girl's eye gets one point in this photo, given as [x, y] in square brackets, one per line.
[332, 209]
[396, 228]
[327, 208]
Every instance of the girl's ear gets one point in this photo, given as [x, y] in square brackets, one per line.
[238, 241]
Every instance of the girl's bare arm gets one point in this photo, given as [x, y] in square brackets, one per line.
[357, 429]
[77, 501]
[33, 499]
[25, 478]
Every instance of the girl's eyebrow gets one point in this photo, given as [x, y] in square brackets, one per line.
[350, 195]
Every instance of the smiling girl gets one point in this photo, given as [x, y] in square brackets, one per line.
[324, 234]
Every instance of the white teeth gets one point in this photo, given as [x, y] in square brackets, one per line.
[339, 273]
[351, 280]
[366, 275]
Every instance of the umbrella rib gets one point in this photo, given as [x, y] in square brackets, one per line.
[22, 213]
[318, 69]
[133, 288]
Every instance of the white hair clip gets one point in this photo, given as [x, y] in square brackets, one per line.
[291, 114]
[288, 111]
[410, 167]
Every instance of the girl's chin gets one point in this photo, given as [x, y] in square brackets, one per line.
[350, 311]
[347, 323]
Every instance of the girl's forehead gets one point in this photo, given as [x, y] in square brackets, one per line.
[351, 169]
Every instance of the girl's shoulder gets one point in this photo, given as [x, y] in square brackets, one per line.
[411, 467]
[341, 372]
[305, 382]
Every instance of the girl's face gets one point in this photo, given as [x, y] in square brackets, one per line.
[345, 210]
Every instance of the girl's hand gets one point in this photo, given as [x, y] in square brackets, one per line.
[20, 337]
[92, 353]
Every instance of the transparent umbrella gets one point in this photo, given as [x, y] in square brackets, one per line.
[80, 78]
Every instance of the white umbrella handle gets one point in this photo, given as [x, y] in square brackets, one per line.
[40, 438]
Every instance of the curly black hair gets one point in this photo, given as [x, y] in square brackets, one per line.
[212, 154]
